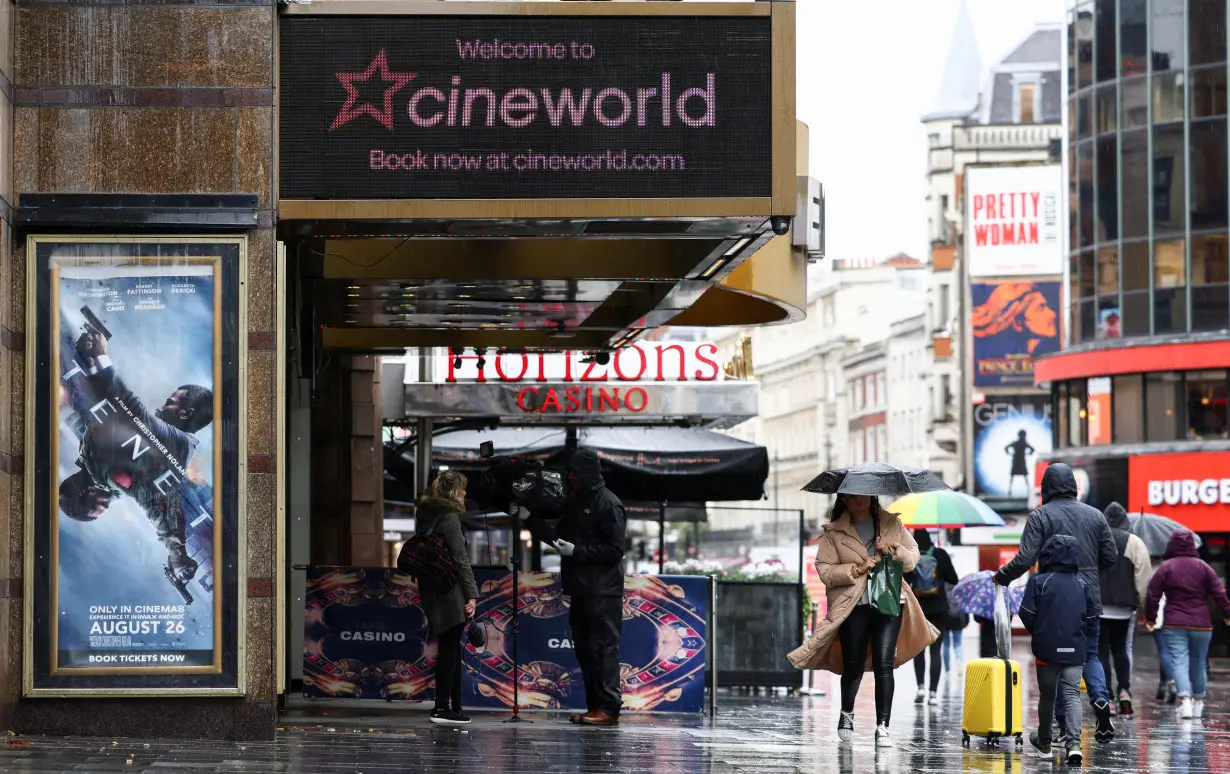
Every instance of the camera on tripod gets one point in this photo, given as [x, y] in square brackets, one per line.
[527, 483]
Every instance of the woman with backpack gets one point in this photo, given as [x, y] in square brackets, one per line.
[440, 513]
[928, 580]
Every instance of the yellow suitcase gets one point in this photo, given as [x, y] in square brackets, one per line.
[993, 706]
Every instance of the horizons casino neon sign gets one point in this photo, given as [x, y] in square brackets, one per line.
[463, 105]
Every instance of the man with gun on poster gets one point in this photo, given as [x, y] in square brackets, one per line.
[127, 449]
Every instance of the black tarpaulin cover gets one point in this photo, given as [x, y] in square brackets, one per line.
[648, 464]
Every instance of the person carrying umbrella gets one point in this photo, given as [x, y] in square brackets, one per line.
[1061, 513]
[859, 536]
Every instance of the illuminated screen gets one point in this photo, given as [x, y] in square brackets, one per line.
[473, 107]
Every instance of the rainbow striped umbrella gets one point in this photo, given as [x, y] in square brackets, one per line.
[944, 509]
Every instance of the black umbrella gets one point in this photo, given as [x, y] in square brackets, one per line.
[1155, 531]
[876, 478]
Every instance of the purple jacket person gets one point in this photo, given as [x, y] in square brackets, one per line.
[1187, 583]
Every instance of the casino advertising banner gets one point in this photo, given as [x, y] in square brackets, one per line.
[525, 107]
[138, 490]
[1012, 324]
[367, 638]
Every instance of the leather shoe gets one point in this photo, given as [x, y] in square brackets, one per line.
[598, 718]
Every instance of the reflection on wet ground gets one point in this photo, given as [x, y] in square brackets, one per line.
[751, 733]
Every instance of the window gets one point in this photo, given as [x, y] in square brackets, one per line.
[946, 395]
[1206, 22]
[862, 395]
[1163, 406]
[1168, 96]
[1084, 48]
[1128, 419]
[1210, 278]
[1134, 184]
[879, 378]
[1169, 287]
[1135, 103]
[934, 139]
[882, 445]
[1208, 173]
[1209, 92]
[1168, 37]
[1134, 273]
[1206, 405]
[1104, 38]
[1133, 36]
[941, 313]
[872, 452]
[1084, 117]
[1085, 152]
[1077, 414]
[1169, 179]
[1026, 99]
[1106, 109]
[1108, 188]
[1099, 410]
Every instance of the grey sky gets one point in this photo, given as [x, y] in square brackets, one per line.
[867, 71]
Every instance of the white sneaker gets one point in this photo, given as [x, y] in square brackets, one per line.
[933, 699]
[883, 739]
[1198, 708]
[1184, 710]
[921, 696]
[845, 726]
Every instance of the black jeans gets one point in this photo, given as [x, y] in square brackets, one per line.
[448, 669]
[866, 628]
[937, 662]
[597, 623]
[1113, 649]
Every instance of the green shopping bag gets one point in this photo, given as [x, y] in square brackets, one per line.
[884, 584]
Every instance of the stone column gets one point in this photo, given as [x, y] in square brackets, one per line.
[141, 98]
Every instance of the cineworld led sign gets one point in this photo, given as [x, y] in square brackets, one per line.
[525, 107]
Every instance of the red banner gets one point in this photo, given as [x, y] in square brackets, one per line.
[1193, 489]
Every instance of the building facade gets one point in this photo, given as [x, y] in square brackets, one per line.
[810, 374]
[1006, 117]
[1140, 393]
[239, 206]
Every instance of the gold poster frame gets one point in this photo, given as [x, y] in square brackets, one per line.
[31, 386]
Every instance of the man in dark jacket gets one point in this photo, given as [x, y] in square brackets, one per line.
[1061, 513]
[1124, 587]
[590, 540]
[1058, 610]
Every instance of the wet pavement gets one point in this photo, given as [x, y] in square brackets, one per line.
[751, 733]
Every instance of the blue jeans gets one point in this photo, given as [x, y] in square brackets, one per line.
[1094, 674]
[1189, 658]
[954, 640]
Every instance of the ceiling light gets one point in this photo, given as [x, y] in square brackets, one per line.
[737, 246]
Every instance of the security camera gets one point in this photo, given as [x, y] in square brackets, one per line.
[780, 224]
[602, 358]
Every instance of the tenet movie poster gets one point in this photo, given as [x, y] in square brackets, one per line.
[134, 534]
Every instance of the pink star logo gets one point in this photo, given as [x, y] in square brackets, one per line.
[395, 80]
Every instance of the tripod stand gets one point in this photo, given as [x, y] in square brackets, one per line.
[514, 513]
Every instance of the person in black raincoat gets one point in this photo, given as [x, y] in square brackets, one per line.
[1061, 513]
[590, 540]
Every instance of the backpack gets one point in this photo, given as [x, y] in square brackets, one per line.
[927, 581]
[427, 559]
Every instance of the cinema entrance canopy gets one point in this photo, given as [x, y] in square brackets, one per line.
[540, 175]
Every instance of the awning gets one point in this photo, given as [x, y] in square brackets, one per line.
[640, 464]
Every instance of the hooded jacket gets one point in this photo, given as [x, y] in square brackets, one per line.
[1062, 514]
[1058, 607]
[1187, 582]
[934, 605]
[1127, 583]
[594, 522]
